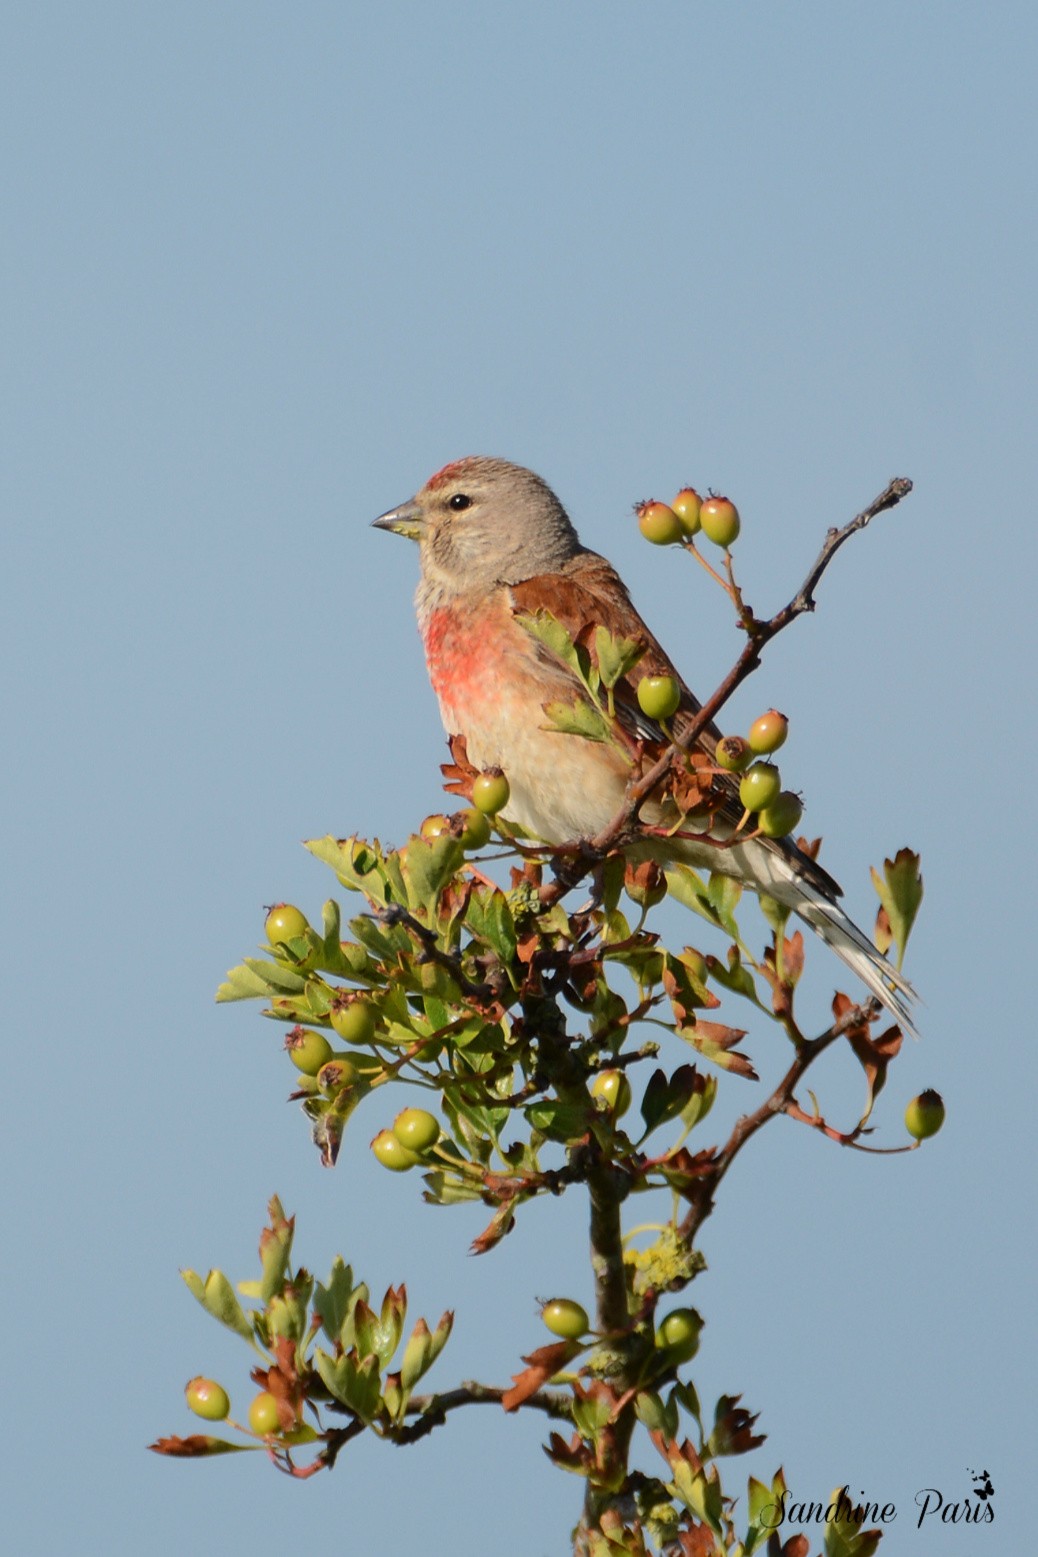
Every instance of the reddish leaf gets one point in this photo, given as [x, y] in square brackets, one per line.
[796, 1546]
[783, 984]
[874, 1055]
[198, 1446]
[572, 1456]
[694, 790]
[733, 1428]
[459, 773]
[541, 1364]
[697, 1541]
[526, 946]
[717, 1042]
[684, 1171]
[501, 1223]
[842, 1004]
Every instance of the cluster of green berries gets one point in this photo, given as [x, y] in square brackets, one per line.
[211, 1402]
[490, 792]
[669, 524]
[777, 810]
[415, 1132]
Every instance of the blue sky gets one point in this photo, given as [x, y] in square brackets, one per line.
[266, 268]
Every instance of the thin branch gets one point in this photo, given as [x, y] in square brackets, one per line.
[777, 1103]
[432, 1410]
[482, 995]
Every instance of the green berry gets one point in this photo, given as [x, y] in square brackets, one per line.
[720, 521]
[768, 732]
[780, 817]
[284, 923]
[659, 523]
[416, 1129]
[336, 1074]
[760, 786]
[613, 1087]
[307, 1050]
[475, 828]
[733, 753]
[679, 1333]
[924, 1115]
[565, 1318]
[207, 1399]
[435, 826]
[391, 1153]
[687, 505]
[353, 1017]
[490, 792]
[263, 1414]
[659, 696]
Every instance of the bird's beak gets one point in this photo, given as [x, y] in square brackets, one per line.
[406, 520]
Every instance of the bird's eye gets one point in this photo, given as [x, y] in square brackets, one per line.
[459, 501]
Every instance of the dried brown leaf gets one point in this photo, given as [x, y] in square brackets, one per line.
[540, 1366]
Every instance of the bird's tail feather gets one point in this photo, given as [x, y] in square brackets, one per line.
[853, 946]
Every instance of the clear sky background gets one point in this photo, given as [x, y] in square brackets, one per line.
[265, 267]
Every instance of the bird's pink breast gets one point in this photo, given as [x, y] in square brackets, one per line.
[492, 688]
[458, 653]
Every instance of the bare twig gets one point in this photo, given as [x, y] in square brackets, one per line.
[777, 1103]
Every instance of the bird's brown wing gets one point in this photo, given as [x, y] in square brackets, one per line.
[588, 593]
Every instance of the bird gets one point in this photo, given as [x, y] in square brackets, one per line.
[496, 547]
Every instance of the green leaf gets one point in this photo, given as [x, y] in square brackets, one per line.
[650, 1411]
[415, 1361]
[217, 1297]
[559, 1121]
[361, 866]
[724, 893]
[332, 1301]
[547, 630]
[356, 1385]
[684, 884]
[900, 891]
[449, 1189]
[736, 976]
[277, 979]
[441, 1335]
[612, 881]
[427, 866]
[685, 1396]
[275, 1252]
[242, 983]
[844, 1537]
[577, 719]
[386, 943]
[489, 918]
[685, 1093]
[764, 1516]
[776, 913]
[591, 1415]
[616, 656]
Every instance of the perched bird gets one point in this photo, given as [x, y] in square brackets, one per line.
[496, 545]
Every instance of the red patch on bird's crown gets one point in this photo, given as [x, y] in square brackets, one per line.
[448, 473]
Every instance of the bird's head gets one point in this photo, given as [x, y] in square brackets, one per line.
[481, 522]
